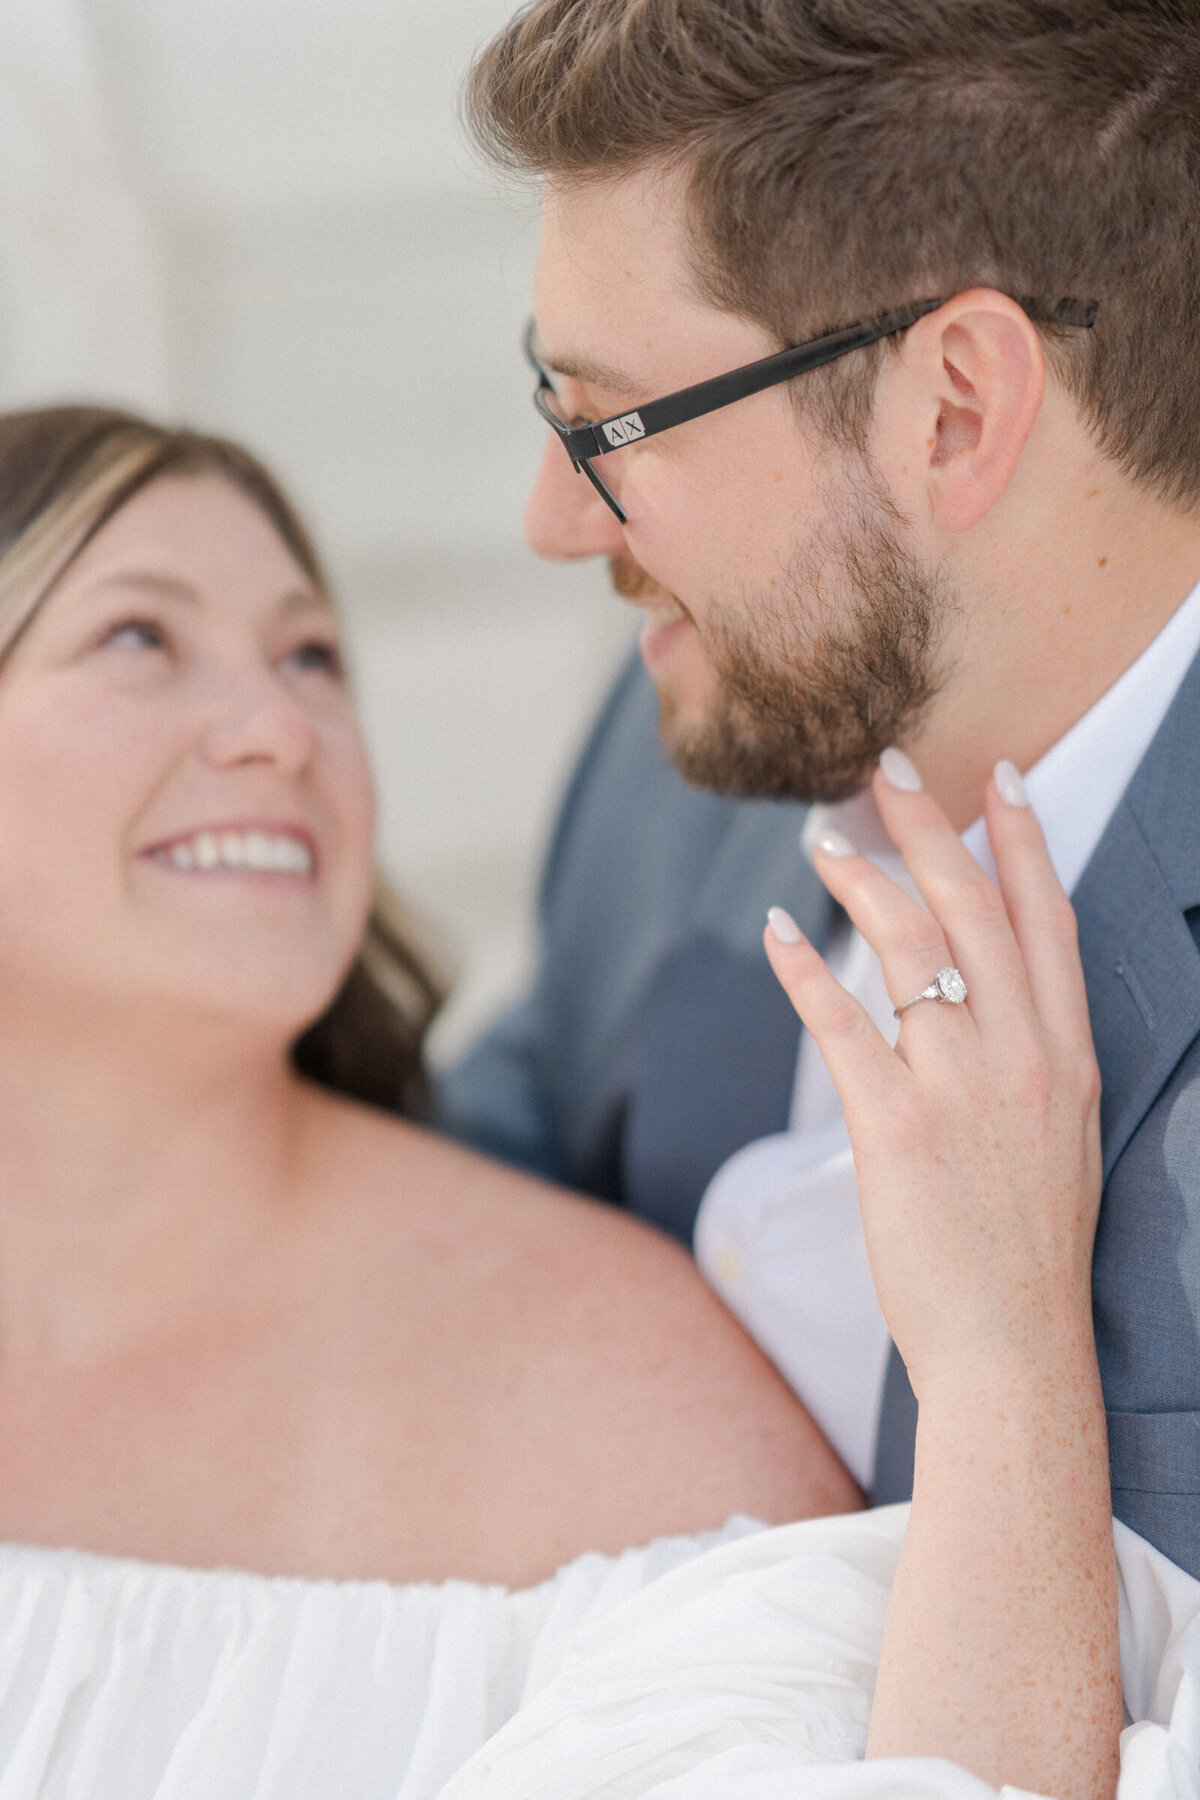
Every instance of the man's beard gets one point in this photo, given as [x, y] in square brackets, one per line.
[823, 672]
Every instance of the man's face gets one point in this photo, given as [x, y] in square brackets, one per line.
[791, 629]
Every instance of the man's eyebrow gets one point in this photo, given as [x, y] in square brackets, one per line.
[590, 373]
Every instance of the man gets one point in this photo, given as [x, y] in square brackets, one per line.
[974, 535]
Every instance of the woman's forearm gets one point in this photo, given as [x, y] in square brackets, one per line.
[1000, 1651]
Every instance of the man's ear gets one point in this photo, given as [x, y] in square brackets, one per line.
[979, 376]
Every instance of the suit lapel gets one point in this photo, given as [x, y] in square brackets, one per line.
[1139, 957]
[1143, 978]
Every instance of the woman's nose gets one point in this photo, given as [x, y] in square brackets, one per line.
[260, 721]
[565, 516]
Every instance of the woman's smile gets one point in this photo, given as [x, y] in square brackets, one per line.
[253, 849]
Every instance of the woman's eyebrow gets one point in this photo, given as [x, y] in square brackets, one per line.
[170, 587]
[305, 600]
[174, 587]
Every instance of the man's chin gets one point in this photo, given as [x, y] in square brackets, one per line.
[708, 750]
[729, 752]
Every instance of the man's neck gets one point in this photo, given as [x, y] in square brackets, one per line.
[1056, 609]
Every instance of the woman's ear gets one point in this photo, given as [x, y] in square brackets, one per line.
[980, 375]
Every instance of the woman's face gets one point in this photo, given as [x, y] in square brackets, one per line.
[186, 812]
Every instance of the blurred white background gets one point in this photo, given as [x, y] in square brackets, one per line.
[259, 216]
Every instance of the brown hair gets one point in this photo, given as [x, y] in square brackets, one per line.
[846, 157]
[65, 471]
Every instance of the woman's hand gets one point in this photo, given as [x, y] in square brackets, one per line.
[976, 1143]
[977, 1140]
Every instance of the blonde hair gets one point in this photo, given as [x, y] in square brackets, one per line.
[64, 472]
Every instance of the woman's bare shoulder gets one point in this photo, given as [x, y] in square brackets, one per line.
[581, 1249]
[620, 1372]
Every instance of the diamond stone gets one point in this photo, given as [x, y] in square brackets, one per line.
[950, 985]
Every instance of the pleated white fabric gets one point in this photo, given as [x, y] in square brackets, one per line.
[736, 1666]
[747, 1674]
[122, 1680]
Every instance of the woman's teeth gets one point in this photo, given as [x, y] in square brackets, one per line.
[269, 852]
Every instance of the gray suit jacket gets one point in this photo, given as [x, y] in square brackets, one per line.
[655, 1042]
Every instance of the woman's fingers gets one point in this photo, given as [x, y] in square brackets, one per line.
[858, 1058]
[968, 906]
[1042, 917]
[1015, 943]
[909, 942]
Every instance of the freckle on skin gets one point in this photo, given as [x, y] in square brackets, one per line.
[1091, 495]
[1066, 609]
[1103, 564]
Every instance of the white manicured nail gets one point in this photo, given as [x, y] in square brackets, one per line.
[834, 844]
[899, 771]
[1009, 785]
[783, 925]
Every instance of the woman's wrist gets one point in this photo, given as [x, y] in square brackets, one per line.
[1043, 1358]
[1040, 1413]
[1045, 1427]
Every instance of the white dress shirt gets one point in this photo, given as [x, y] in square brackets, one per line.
[778, 1233]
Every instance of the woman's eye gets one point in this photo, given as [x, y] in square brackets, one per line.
[135, 634]
[318, 655]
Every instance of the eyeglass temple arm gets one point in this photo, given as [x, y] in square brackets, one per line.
[584, 441]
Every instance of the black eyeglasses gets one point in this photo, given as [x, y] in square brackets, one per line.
[584, 439]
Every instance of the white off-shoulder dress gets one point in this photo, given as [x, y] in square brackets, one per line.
[737, 1666]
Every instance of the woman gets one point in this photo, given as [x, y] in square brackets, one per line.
[247, 1321]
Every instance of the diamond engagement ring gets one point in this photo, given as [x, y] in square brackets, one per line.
[947, 984]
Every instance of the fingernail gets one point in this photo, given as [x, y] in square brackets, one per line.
[783, 925]
[1009, 785]
[834, 844]
[899, 771]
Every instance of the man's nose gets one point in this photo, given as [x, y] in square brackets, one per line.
[565, 516]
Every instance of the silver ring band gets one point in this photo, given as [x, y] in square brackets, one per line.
[947, 985]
